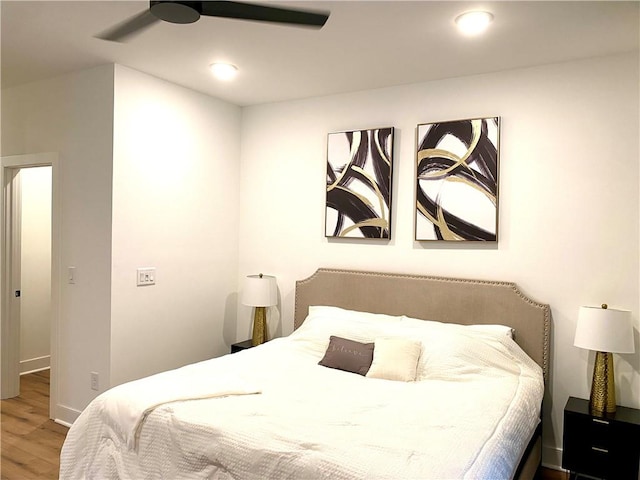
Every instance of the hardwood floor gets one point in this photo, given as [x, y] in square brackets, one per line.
[31, 442]
[550, 474]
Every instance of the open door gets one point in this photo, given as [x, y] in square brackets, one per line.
[11, 272]
[10, 330]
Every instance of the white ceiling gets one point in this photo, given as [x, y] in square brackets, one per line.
[364, 45]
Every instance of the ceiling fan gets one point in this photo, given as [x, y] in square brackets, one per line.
[189, 12]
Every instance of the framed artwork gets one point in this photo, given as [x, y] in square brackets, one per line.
[359, 166]
[457, 180]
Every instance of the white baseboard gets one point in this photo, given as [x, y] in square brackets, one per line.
[62, 422]
[33, 365]
[552, 458]
[65, 415]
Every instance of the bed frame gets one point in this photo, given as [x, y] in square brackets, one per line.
[450, 300]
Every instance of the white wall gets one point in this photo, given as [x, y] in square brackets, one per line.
[35, 301]
[149, 176]
[73, 116]
[175, 207]
[568, 199]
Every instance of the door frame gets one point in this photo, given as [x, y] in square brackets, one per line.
[9, 267]
[10, 328]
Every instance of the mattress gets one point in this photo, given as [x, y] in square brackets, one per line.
[273, 412]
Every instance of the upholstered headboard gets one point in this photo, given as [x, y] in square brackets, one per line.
[443, 299]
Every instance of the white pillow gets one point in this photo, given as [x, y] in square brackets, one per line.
[395, 358]
[498, 330]
[492, 329]
[323, 321]
[345, 314]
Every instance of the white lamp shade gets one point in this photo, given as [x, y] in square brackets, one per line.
[604, 330]
[260, 291]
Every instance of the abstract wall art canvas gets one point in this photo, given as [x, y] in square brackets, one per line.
[359, 166]
[457, 180]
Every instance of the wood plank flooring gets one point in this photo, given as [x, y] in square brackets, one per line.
[31, 442]
[550, 474]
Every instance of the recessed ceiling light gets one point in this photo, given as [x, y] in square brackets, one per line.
[473, 23]
[223, 71]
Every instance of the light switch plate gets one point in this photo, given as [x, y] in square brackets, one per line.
[146, 276]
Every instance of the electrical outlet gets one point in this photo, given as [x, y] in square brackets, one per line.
[95, 381]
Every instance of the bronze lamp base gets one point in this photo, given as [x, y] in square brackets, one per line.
[259, 327]
[603, 389]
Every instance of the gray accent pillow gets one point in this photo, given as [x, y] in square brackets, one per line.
[348, 355]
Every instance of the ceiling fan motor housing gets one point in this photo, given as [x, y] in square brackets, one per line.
[175, 11]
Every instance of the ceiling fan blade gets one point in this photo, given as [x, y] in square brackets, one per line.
[263, 13]
[129, 27]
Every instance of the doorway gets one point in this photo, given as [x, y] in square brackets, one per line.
[29, 303]
[35, 268]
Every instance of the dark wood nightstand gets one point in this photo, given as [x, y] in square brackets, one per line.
[606, 446]
[236, 347]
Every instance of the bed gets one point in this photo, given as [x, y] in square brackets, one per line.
[277, 411]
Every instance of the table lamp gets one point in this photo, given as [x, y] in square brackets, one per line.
[259, 291]
[606, 331]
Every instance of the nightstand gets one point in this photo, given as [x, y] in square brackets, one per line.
[236, 347]
[606, 446]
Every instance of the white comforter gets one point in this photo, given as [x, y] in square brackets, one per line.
[280, 415]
